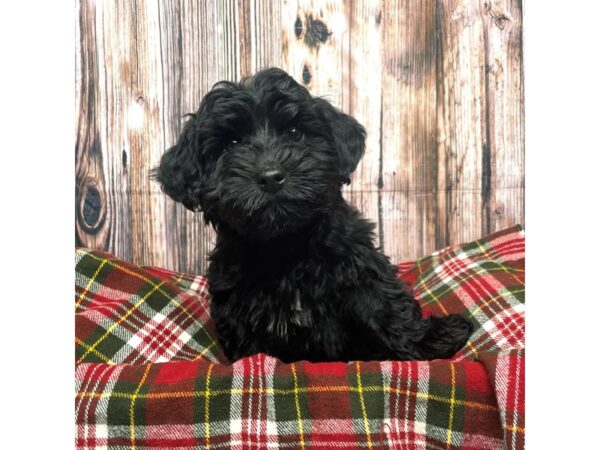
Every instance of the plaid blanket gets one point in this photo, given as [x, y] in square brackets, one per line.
[151, 375]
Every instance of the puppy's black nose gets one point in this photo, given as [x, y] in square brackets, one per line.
[271, 180]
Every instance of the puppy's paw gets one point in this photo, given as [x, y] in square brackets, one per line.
[445, 337]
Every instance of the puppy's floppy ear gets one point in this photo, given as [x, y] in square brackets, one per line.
[348, 134]
[184, 168]
[180, 171]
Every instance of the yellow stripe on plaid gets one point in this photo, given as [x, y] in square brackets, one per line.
[132, 406]
[433, 296]
[452, 401]
[495, 298]
[207, 406]
[487, 255]
[514, 428]
[473, 349]
[171, 298]
[297, 401]
[102, 356]
[117, 323]
[491, 300]
[89, 284]
[450, 287]
[362, 404]
[316, 389]
[203, 352]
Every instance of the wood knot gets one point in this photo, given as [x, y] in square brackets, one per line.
[316, 33]
[298, 27]
[306, 75]
[91, 206]
[498, 17]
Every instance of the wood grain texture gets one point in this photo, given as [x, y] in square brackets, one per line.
[410, 153]
[437, 83]
[92, 225]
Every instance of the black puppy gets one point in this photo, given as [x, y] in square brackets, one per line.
[294, 273]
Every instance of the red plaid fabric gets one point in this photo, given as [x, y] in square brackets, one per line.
[150, 373]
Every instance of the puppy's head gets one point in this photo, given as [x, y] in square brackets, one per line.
[262, 156]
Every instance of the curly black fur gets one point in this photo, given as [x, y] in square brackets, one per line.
[294, 272]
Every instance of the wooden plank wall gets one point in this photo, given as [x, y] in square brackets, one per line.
[437, 84]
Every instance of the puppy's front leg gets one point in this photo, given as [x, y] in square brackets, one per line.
[233, 336]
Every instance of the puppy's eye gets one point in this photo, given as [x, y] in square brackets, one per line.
[230, 143]
[295, 134]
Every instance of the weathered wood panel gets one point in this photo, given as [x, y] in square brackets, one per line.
[92, 224]
[504, 84]
[437, 83]
[409, 156]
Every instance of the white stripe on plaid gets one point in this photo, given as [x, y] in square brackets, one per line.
[94, 435]
[159, 339]
[507, 328]
[400, 430]
[271, 419]
[504, 384]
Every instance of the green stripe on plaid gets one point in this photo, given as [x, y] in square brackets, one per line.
[151, 375]
[128, 314]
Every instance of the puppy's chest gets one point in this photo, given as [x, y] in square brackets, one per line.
[298, 301]
[289, 315]
[284, 307]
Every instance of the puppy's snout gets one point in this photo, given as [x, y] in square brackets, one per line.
[271, 179]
